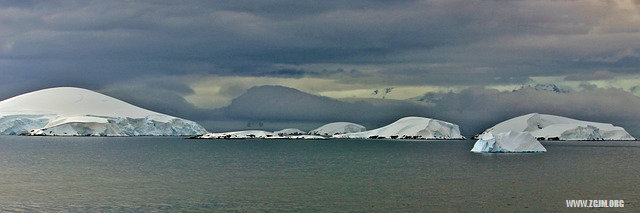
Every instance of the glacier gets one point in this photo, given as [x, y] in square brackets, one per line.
[337, 128]
[410, 128]
[552, 127]
[507, 142]
[70, 111]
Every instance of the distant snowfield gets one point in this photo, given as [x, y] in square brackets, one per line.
[410, 128]
[320, 133]
[337, 128]
[551, 127]
[69, 111]
[405, 128]
[259, 134]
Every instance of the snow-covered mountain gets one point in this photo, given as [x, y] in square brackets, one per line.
[69, 111]
[337, 128]
[551, 127]
[508, 142]
[249, 134]
[410, 128]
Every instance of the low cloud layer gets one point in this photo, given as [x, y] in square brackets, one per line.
[477, 108]
[597, 75]
[276, 103]
[474, 109]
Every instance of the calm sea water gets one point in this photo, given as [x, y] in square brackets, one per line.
[174, 174]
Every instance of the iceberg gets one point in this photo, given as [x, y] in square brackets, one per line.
[410, 128]
[507, 142]
[337, 128]
[552, 127]
[70, 111]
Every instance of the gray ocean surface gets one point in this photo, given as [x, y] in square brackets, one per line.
[173, 174]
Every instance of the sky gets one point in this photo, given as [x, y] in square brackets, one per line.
[466, 61]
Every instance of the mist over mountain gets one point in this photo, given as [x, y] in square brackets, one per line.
[474, 109]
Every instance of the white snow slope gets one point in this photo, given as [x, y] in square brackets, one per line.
[69, 111]
[337, 128]
[410, 128]
[561, 128]
[508, 142]
[248, 134]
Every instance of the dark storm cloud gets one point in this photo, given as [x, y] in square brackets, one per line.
[597, 75]
[76, 42]
[296, 8]
[298, 73]
[16, 3]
